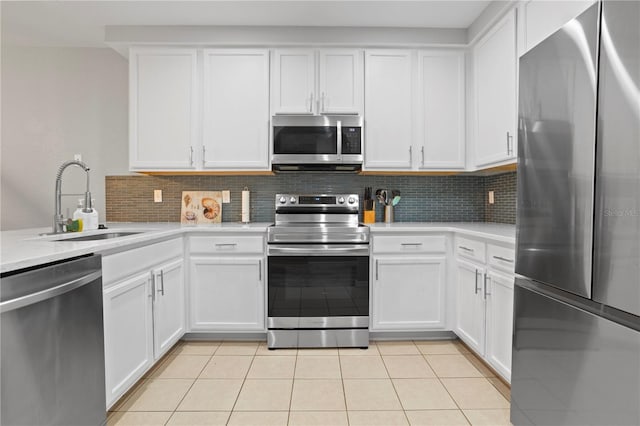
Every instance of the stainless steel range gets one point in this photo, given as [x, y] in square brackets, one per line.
[318, 269]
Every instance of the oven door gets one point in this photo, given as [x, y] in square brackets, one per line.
[318, 286]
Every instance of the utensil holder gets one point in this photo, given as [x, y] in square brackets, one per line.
[369, 216]
[388, 214]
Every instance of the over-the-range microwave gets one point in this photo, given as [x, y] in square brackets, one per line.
[317, 143]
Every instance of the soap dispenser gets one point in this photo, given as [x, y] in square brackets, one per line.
[77, 214]
[92, 216]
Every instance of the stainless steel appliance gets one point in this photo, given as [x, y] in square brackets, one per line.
[576, 346]
[52, 345]
[317, 143]
[318, 269]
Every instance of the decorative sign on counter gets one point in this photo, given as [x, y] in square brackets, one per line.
[201, 207]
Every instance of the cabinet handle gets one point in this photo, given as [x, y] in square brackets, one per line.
[226, 245]
[162, 282]
[486, 293]
[411, 244]
[470, 250]
[422, 152]
[260, 270]
[203, 155]
[504, 259]
[410, 155]
[311, 102]
[376, 269]
[191, 155]
[476, 284]
[323, 101]
[509, 144]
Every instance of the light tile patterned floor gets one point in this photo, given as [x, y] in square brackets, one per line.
[244, 383]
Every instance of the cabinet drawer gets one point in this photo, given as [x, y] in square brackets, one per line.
[409, 244]
[128, 262]
[501, 257]
[226, 244]
[471, 249]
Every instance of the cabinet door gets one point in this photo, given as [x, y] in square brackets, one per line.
[162, 108]
[293, 84]
[441, 114]
[495, 89]
[341, 81]
[499, 297]
[541, 18]
[227, 293]
[128, 334]
[408, 293]
[389, 109]
[470, 312]
[236, 109]
[168, 306]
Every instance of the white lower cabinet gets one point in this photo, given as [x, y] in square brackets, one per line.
[484, 301]
[128, 333]
[168, 306]
[499, 289]
[408, 293]
[143, 305]
[470, 313]
[227, 293]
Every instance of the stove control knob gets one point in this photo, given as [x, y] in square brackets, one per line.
[282, 200]
[352, 200]
[292, 200]
[341, 200]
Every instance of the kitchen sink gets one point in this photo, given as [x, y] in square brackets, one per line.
[95, 237]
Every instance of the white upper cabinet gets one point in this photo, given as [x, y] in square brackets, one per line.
[389, 110]
[293, 83]
[538, 19]
[441, 135]
[163, 108]
[306, 81]
[340, 81]
[236, 109]
[495, 63]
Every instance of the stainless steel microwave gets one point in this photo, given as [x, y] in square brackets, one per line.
[317, 143]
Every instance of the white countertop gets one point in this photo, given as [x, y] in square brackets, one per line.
[495, 231]
[25, 247]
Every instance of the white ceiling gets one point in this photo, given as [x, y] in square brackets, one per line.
[82, 23]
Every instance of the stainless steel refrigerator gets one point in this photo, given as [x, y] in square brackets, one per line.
[576, 343]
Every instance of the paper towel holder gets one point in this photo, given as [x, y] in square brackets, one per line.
[245, 213]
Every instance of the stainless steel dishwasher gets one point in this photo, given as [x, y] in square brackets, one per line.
[52, 344]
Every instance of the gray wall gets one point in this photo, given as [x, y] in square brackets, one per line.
[57, 102]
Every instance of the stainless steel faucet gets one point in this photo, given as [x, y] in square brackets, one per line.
[58, 219]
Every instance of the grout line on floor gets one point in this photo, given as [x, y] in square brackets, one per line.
[344, 391]
[244, 379]
[293, 383]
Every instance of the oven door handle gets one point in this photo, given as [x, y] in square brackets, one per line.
[318, 250]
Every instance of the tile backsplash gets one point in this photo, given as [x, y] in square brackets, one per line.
[504, 208]
[424, 198]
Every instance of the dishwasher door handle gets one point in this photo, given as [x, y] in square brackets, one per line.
[48, 293]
